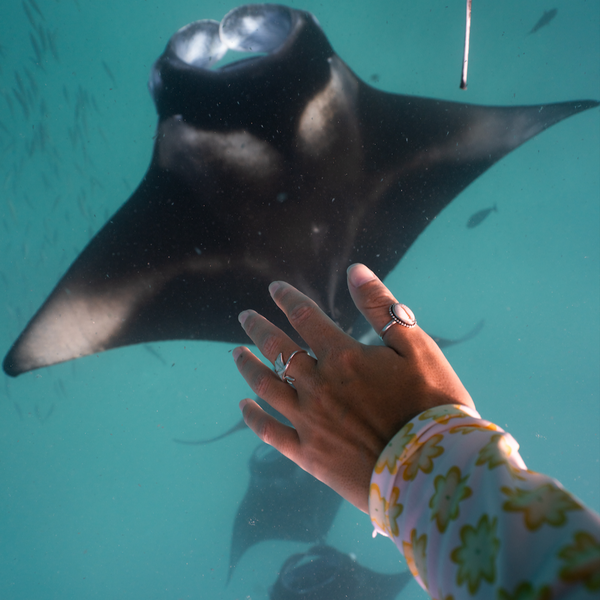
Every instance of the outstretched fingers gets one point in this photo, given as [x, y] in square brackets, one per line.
[264, 382]
[282, 437]
[313, 325]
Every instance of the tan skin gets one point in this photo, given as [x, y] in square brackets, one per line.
[350, 400]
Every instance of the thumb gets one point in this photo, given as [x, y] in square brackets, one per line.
[374, 300]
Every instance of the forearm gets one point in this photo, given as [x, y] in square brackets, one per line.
[457, 499]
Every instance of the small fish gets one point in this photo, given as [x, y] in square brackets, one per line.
[109, 73]
[20, 83]
[154, 353]
[545, 19]
[36, 48]
[61, 386]
[480, 216]
[42, 38]
[37, 8]
[51, 35]
[94, 105]
[28, 13]
[21, 100]
[33, 86]
[81, 204]
[8, 101]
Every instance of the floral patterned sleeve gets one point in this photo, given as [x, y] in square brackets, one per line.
[472, 521]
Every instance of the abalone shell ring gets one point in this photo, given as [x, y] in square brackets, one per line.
[280, 368]
[401, 315]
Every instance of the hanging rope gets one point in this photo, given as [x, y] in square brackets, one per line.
[463, 79]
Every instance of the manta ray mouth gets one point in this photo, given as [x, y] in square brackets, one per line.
[260, 29]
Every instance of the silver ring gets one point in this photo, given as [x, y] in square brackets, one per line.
[280, 368]
[401, 315]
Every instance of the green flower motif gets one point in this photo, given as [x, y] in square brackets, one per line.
[422, 458]
[415, 553]
[392, 454]
[495, 454]
[385, 515]
[525, 591]
[476, 556]
[394, 510]
[544, 504]
[449, 491]
[582, 560]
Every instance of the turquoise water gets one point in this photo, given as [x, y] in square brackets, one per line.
[96, 500]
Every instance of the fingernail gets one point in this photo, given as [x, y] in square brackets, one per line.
[274, 287]
[243, 403]
[236, 353]
[359, 275]
[243, 316]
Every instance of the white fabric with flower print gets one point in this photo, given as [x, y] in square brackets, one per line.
[453, 493]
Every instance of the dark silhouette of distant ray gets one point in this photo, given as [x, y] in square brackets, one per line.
[283, 166]
[324, 573]
[283, 502]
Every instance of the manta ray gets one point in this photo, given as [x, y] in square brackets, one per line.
[284, 165]
[282, 502]
[324, 573]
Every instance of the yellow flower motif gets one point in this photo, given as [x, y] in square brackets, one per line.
[582, 561]
[394, 511]
[391, 456]
[466, 429]
[415, 553]
[525, 591]
[476, 556]
[449, 491]
[423, 456]
[544, 504]
[385, 515]
[443, 414]
[495, 453]
[377, 508]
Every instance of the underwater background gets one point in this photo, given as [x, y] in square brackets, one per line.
[96, 500]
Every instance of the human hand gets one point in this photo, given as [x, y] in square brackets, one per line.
[352, 399]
